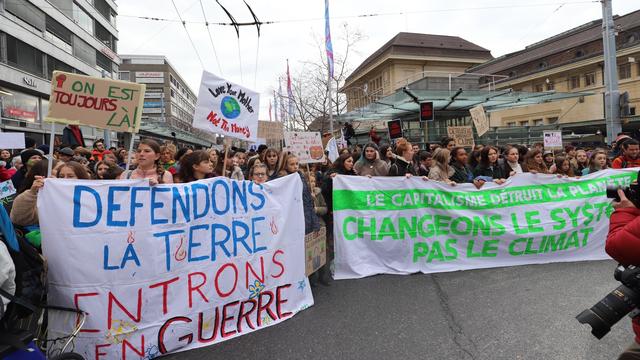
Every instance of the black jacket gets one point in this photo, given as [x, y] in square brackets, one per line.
[401, 167]
[496, 172]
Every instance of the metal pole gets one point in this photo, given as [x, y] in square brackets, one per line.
[610, 73]
[330, 105]
[131, 141]
[51, 140]
[107, 133]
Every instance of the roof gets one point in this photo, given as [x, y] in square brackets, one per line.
[575, 37]
[426, 45]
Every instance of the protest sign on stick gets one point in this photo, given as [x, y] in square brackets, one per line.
[227, 108]
[172, 267]
[552, 139]
[480, 119]
[306, 146]
[463, 135]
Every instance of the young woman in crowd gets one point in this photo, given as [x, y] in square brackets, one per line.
[511, 162]
[271, 158]
[122, 154]
[534, 163]
[441, 170]
[216, 161]
[474, 158]
[167, 158]
[258, 173]
[72, 170]
[597, 162]
[100, 168]
[547, 156]
[582, 161]
[462, 172]
[370, 164]
[403, 165]
[24, 211]
[563, 166]
[148, 159]
[386, 154]
[195, 166]
[231, 170]
[5, 155]
[489, 167]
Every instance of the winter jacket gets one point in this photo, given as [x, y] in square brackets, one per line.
[401, 167]
[623, 244]
[24, 211]
[623, 162]
[7, 276]
[496, 172]
[461, 174]
[437, 174]
[376, 167]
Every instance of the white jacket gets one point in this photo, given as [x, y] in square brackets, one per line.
[7, 276]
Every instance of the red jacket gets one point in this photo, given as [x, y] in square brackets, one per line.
[623, 244]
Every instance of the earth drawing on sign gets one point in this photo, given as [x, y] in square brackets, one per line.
[230, 107]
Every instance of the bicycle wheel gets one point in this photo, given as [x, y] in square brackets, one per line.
[68, 356]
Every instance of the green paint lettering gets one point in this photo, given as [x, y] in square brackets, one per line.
[470, 253]
[345, 227]
[561, 223]
[513, 244]
[436, 252]
[450, 247]
[420, 249]
[490, 248]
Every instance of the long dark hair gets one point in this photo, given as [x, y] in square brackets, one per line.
[78, 169]
[187, 162]
[38, 169]
[338, 165]
[484, 156]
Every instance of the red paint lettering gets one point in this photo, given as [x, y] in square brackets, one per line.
[113, 299]
[165, 287]
[281, 265]
[262, 306]
[126, 344]
[280, 301]
[197, 288]
[249, 268]
[235, 280]
[224, 333]
[75, 301]
[98, 347]
[242, 314]
[165, 326]
[216, 321]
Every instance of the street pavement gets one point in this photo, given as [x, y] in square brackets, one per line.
[521, 312]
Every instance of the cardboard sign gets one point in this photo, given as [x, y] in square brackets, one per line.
[462, 134]
[270, 130]
[12, 140]
[395, 129]
[480, 120]
[306, 146]
[172, 267]
[7, 189]
[102, 103]
[552, 139]
[315, 250]
[227, 108]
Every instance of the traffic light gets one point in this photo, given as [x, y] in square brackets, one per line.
[426, 111]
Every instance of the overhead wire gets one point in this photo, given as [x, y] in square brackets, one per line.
[234, 23]
[206, 24]
[188, 35]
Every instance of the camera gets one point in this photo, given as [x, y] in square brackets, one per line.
[632, 192]
[615, 305]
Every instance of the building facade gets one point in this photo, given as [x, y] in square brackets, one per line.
[406, 58]
[571, 61]
[40, 36]
[169, 103]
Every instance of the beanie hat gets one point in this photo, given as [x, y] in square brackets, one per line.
[27, 154]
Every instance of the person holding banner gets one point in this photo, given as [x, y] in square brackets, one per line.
[489, 168]
[370, 164]
[24, 211]
[148, 159]
[534, 163]
[512, 164]
[195, 166]
[258, 172]
[441, 170]
[597, 162]
[403, 165]
[271, 158]
[462, 172]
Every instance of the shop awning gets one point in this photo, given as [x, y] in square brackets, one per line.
[406, 101]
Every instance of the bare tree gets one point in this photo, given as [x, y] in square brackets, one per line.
[309, 85]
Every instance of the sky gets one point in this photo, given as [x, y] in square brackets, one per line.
[297, 31]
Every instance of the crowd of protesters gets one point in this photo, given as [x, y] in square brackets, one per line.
[165, 164]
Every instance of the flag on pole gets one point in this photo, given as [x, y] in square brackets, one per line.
[270, 119]
[289, 91]
[275, 105]
[327, 37]
[283, 111]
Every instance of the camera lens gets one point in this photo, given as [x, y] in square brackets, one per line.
[609, 310]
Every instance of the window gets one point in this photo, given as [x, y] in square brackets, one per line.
[624, 71]
[82, 18]
[524, 123]
[574, 82]
[538, 88]
[511, 124]
[26, 12]
[543, 65]
[552, 120]
[55, 64]
[632, 111]
[125, 75]
[58, 30]
[590, 79]
[537, 122]
[19, 106]
[550, 86]
[103, 8]
[84, 51]
[24, 56]
[103, 62]
[580, 53]
[173, 94]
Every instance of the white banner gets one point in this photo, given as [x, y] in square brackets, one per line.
[172, 267]
[306, 146]
[403, 226]
[227, 108]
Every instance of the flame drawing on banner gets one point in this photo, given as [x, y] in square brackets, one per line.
[181, 253]
[130, 238]
[274, 226]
